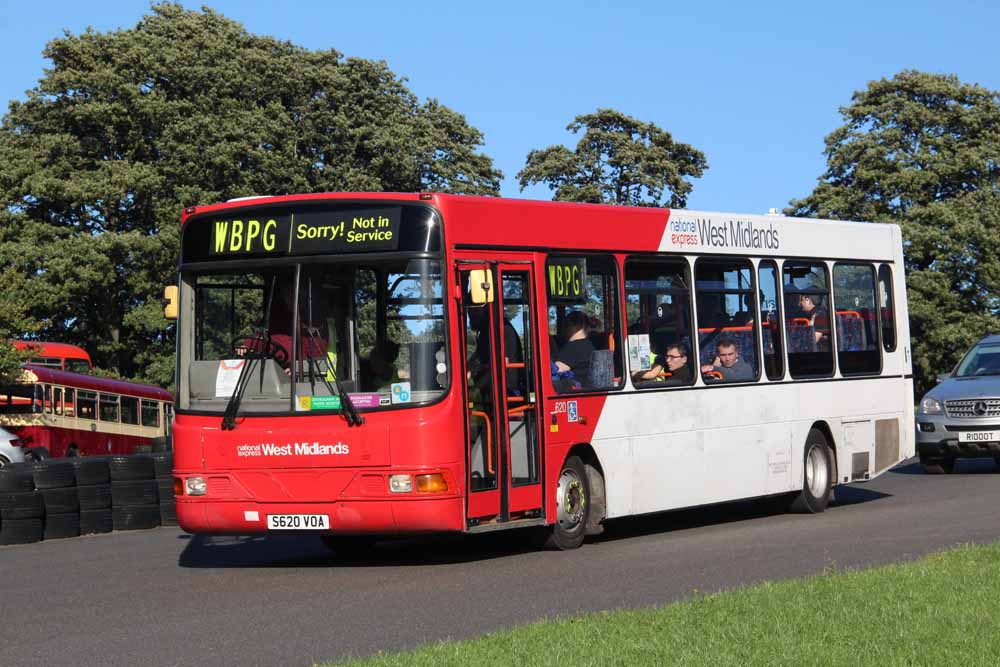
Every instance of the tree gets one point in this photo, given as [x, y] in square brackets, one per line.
[15, 298]
[127, 128]
[923, 151]
[618, 160]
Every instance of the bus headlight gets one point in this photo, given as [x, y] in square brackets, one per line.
[400, 483]
[195, 486]
[930, 406]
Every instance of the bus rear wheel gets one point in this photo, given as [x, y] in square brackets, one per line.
[572, 506]
[817, 476]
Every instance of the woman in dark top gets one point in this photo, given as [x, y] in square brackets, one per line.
[574, 355]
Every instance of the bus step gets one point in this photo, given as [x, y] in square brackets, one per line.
[506, 525]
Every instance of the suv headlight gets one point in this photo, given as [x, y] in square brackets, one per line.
[930, 406]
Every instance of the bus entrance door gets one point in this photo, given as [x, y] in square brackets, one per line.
[499, 335]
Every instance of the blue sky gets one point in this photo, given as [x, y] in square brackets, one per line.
[756, 86]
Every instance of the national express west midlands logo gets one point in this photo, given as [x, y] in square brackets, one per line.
[742, 234]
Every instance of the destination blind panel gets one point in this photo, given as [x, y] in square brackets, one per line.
[310, 230]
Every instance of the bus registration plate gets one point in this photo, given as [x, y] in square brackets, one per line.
[298, 522]
[979, 436]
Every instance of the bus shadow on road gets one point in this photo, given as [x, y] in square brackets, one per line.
[305, 551]
[983, 466]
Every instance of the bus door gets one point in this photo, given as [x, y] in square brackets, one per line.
[500, 383]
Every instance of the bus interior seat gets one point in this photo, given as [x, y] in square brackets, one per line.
[601, 373]
[850, 331]
[743, 336]
[202, 379]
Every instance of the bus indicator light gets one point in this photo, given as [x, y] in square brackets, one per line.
[433, 483]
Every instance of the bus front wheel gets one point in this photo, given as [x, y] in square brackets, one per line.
[817, 476]
[572, 506]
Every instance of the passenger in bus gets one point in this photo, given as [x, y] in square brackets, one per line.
[572, 361]
[379, 370]
[819, 319]
[670, 368]
[728, 366]
[481, 375]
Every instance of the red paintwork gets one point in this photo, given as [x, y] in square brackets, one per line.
[89, 443]
[410, 440]
[80, 381]
[62, 351]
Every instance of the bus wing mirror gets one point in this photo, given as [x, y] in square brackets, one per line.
[481, 286]
[170, 307]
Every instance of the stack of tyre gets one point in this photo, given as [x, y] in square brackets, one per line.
[135, 500]
[163, 462]
[21, 506]
[93, 488]
[56, 482]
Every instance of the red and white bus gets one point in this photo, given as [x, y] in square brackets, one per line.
[384, 364]
[62, 356]
[57, 413]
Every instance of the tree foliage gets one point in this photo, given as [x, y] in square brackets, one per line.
[923, 150]
[618, 160]
[128, 127]
[15, 301]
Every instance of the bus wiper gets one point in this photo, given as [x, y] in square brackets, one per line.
[351, 413]
[233, 406]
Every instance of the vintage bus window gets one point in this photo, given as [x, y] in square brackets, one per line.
[584, 334]
[77, 365]
[658, 312]
[17, 399]
[57, 400]
[47, 400]
[886, 307]
[770, 319]
[727, 339]
[130, 410]
[377, 328]
[48, 362]
[150, 413]
[86, 402]
[69, 403]
[807, 319]
[856, 319]
[109, 408]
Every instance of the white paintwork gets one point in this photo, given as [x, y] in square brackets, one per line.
[672, 448]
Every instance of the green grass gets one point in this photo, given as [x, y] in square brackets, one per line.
[941, 610]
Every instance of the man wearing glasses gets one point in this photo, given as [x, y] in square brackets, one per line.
[727, 367]
[671, 368]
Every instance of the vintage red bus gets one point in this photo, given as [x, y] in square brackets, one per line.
[62, 356]
[57, 413]
[364, 365]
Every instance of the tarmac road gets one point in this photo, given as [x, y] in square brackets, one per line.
[162, 597]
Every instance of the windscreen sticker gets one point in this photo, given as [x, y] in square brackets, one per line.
[400, 392]
[227, 377]
[308, 403]
[365, 400]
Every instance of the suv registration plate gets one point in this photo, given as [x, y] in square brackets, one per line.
[298, 522]
[979, 436]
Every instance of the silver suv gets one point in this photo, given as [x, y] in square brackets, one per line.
[10, 448]
[960, 417]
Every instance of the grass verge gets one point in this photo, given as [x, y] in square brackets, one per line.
[940, 610]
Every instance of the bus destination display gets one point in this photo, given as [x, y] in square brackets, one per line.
[306, 233]
[567, 278]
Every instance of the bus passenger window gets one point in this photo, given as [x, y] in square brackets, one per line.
[109, 408]
[584, 334]
[886, 307]
[130, 410]
[48, 399]
[807, 319]
[856, 319]
[150, 413]
[68, 403]
[57, 400]
[727, 338]
[658, 312]
[770, 319]
[87, 404]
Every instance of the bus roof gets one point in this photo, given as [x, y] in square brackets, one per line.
[80, 381]
[472, 221]
[49, 349]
